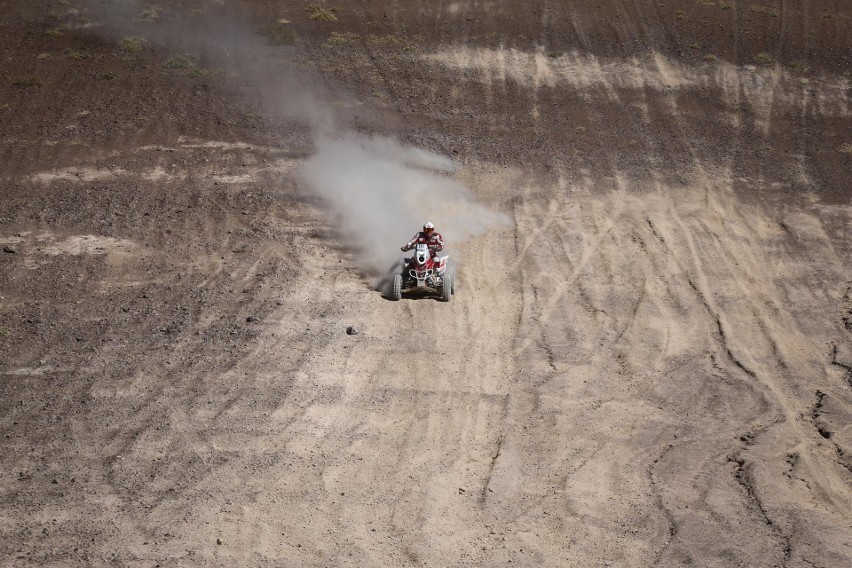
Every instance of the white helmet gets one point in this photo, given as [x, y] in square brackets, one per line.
[428, 227]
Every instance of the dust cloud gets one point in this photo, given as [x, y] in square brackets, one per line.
[261, 74]
[383, 191]
[379, 190]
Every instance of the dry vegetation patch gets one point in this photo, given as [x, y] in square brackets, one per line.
[178, 62]
[340, 38]
[320, 14]
[27, 81]
[74, 54]
[151, 13]
[764, 59]
[132, 44]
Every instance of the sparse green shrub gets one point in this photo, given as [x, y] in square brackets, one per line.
[151, 13]
[27, 81]
[710, 58]
[43, 56]
[336, 38]
[178, 62]
[53, 32]
[386, 40]
[764, 59]
[110, 76]
[799, 67]
[73, 54]
[725, 5]
[198, 72]
[132, 43]
[845, 148]
[319, 14]
[4, 332]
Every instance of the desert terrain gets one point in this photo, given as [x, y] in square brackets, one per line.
[648, 359]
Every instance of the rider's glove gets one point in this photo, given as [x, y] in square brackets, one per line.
[403, 249]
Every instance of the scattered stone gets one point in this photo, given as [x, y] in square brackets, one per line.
[218, 541]
[9, 249]
[251, 319]
[352, 330]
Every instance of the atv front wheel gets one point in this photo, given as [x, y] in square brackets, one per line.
[396, 291]
[448, 286]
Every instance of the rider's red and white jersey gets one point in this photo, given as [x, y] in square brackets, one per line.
[435, 241]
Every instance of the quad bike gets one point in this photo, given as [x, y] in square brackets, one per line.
[424, 272]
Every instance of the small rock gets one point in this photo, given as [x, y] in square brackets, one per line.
[352, 330]
[218, 541]
[9, 249]
[251, 319]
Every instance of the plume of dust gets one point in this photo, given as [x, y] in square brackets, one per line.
[379, 190]
[383, 191]
[258, 72]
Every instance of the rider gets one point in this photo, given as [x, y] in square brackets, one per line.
[429, 236]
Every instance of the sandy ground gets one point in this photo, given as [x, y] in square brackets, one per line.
[651, 365]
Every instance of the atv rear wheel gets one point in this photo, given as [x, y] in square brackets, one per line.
[396, 291]
[448, 286]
